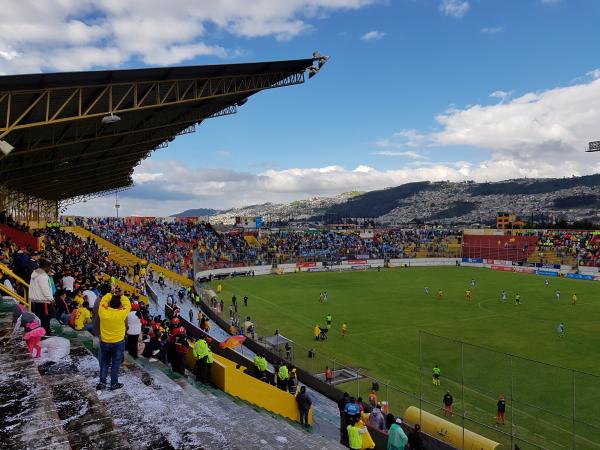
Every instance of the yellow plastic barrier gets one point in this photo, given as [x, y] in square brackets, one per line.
[125, 287]
[238, 383]
[448, 432]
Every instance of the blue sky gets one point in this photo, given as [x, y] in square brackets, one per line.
[414, 89]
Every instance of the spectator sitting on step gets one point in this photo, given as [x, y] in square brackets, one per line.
[83, 318]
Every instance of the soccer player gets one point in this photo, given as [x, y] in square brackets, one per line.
[557, 295]
[501, 409]
[504, 296]
[325, 296]
[473, 282]
[328, 319]
[245, 300]
[440, 293]
[448, 400]
[436, 375]
[574, 299]
[468, 295]
[344, 329]
[517, 299]
[426, 290]
[561, 330]
[321, 297]
[547, 282]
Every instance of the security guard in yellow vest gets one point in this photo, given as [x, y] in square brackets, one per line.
[260, 366]
[282, 377]
[200, 351]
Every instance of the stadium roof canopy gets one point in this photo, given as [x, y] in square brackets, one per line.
[67, 145]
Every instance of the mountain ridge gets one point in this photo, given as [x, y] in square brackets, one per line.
[445, 202]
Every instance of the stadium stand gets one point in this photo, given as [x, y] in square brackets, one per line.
[59, 128]
[504, 247]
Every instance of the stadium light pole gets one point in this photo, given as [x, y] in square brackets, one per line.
[117, 206]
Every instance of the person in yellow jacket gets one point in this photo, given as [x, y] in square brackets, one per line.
[317, 332]
[355, 433]
[366, 439]
[200, 351]
[112, 311]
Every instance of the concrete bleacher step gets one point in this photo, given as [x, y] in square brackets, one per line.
[161, 410]
[28, 416]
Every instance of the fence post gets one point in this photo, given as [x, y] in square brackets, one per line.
[462, 387]
[573, 406]
[512, 432]
[333, 371]
[420, 369]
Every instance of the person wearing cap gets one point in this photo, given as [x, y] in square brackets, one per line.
[112, 311]
[397, 438]
[40, 294]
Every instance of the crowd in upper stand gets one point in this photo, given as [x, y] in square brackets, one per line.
[170, 243]
[583, 246]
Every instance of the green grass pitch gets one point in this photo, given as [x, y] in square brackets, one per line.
[386, 310]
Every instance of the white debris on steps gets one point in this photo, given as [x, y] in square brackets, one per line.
[154, 411]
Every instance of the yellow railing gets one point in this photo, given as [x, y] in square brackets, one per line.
[20, 298]
[6, 271]
[181, 279]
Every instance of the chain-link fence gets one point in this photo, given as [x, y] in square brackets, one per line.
[546, 406]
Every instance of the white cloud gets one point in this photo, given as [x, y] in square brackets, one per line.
[81, 34]
[492, 30]
[145, 177]
[538, 134]
[565, 116]
[373, 35]
[407, 154]
[454, 8]
[594, 74]
[501, 95]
